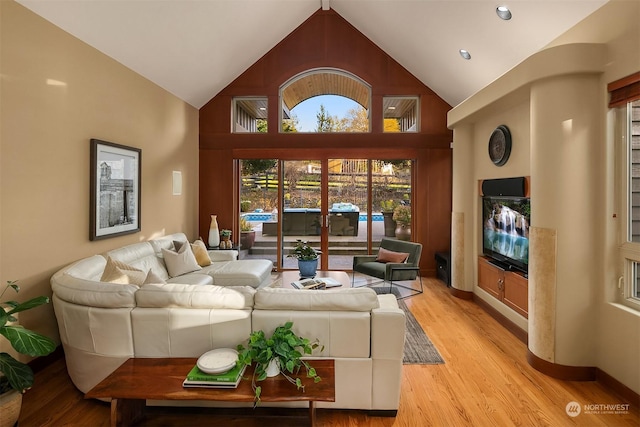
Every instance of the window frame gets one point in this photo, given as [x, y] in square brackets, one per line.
[259, 100]
[391, 99]
[628, 249]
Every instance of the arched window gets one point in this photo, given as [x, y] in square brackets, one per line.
[326, 81]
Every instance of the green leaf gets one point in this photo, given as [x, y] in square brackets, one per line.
[20, 375]
[28, 342]
[311, 372]
[288, 325]
[299, 383]
[290, 365]
[317, 379]
[27, 305]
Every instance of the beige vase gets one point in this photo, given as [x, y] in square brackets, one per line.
[10, 404]
[214, 232]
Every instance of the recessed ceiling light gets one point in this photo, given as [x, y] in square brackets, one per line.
[465, 54]
[263, 109]
[391, 108]
[503, 12]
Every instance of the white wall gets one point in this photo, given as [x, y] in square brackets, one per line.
[56, 94]
[555, 106]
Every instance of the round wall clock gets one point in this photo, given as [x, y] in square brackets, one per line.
[500, 145]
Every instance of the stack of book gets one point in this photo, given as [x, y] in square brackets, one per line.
[229, 379]
[321, 283]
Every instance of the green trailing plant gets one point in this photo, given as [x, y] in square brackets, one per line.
[303, 251]
[283, 345]
[15, 374]
[402, 214]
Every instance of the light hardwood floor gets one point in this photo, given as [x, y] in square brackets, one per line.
[485, 381]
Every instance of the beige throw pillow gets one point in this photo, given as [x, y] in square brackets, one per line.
[181, 262]
[153, 278]
[118, 272]
[201, 253]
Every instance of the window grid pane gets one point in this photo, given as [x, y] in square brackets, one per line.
[634, 172]
[634, 292]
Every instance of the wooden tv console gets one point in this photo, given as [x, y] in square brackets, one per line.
[509, 287]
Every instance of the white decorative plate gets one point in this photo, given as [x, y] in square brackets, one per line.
[217, 361]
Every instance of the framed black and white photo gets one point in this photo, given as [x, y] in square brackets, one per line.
[115, 189]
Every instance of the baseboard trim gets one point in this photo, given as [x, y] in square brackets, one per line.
[518, 332]
[561, 372]
[461, 294]
[617, 387]
[39, 363]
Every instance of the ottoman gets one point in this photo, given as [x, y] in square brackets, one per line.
[245, 272]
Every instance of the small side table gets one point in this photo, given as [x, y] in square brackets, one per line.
[233, 248]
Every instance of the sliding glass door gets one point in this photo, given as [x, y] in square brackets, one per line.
[302, 214]
[348, 194]
[342, 207]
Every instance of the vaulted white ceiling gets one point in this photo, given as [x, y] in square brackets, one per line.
[195, 48]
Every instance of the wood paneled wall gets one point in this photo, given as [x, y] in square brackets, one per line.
[327, 40]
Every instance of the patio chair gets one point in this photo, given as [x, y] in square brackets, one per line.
[397, 260]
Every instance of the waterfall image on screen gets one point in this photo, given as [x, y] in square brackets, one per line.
[506, 230]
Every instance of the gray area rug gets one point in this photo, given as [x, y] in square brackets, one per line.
[418, 348]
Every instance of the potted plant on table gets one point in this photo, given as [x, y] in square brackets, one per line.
[247, 234]
[307, 258]
[279, 354]
[402, 217]
[16, 377]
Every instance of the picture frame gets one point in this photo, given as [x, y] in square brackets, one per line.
[115, 196]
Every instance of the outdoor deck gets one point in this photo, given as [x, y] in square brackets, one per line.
[341, 248]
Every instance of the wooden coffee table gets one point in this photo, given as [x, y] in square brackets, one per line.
[161, 379]
[294, 275]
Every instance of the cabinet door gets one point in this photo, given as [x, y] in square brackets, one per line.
[516, 293]
[490, 278]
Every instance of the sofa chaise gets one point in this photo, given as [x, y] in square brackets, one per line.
[103, 324]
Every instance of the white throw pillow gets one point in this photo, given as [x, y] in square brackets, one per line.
[181, 262]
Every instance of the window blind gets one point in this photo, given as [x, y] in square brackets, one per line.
[624, 90]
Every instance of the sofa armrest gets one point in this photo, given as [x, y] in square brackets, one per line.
[223, 255]
[401, 271]
[388, 327]
[359, 259]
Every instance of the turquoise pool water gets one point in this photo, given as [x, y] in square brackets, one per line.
[262, 217]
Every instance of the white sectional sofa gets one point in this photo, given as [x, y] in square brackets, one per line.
[103, 324]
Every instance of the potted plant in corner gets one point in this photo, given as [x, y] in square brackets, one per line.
[16, 377]
[279, 354]
[387, 207]
[402, 217]
[247, 234]
[307, 258]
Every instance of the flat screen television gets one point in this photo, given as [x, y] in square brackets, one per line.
[505, 231]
